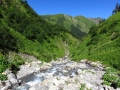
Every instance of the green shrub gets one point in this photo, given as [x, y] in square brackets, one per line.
[3, 77]
[4, 64]
[111, 76]
[106, 83]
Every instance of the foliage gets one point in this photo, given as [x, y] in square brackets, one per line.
[7, 41]
[83, 87]
[3, 77]
[117, 8]
[4, 64]
[102, 43]
[78, 26]
[23, 30]
[111, 76]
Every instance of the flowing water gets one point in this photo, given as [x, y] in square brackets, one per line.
[55, 70]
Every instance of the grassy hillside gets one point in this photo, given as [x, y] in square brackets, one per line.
[78, 26]
[102, 43]
[22, 30]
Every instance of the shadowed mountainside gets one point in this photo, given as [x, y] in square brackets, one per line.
[78, 26]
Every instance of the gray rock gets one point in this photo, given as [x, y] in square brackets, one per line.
[4, 88]
[64, 71]
[11, 75]
[75, 75]
[89, 62]
[13, 80]
[101, 89]
[2, 83]
[83, 61]
[83, 65]
[8, 86]
[8, 83]
[41, 87]
[32, 88]
[79, 71]
[72, 75]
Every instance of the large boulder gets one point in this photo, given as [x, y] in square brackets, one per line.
[13, 81]
[96, 64]
[11, 75]
[7, 86]
[12, 78]
[83, 65]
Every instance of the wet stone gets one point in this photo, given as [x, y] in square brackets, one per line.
[58, 73]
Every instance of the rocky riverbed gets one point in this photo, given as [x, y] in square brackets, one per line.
[62, 74]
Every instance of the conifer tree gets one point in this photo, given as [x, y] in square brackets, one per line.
[117, 9]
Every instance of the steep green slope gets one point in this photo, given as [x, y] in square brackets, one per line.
[78, 26]
[22, 30]
[102, 43]
[21, 21]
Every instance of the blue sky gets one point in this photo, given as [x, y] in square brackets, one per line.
[87, 8]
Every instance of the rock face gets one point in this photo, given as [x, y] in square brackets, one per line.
[29, 68]
[60, 75]
[96, 20]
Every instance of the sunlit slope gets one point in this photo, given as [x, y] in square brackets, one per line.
[102, 43]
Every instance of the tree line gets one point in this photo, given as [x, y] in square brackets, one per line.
[117, 8]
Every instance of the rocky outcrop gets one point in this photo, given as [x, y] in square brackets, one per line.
[29, 68]
[96, 20]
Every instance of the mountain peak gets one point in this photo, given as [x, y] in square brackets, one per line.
[78, 25]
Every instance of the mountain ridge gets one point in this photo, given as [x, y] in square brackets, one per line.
[78, 26]
[96, 20]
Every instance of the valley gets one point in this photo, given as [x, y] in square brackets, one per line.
[57, 52]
